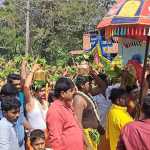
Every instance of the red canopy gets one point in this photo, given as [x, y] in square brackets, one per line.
[127, 18]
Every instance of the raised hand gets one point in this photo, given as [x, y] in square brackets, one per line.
[93, 72]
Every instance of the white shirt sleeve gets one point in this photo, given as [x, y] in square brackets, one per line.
[4, 137]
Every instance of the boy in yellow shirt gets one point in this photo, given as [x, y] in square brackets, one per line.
[117, 116]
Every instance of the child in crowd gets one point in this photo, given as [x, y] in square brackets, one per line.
[37, 139]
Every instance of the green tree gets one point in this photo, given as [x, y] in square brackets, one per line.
[56, 26]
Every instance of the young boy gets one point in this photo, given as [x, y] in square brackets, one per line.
[37, 139]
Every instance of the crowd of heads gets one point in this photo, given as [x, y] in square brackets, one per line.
[65, 89]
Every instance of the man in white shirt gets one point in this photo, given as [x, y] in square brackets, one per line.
[8, 136]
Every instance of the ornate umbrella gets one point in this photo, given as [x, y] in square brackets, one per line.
[129, 19]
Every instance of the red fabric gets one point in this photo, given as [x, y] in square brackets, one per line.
[145, 12]
[135, 136]
[64, 132]
[138, 69]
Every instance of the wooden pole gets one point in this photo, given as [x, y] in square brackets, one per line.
[144, 68]
[27, 29]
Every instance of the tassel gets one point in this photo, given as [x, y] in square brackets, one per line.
[132, 32]
[121, 31]
[140, 32]
[128, 34]
[117, 33]
[125, 32]
[129, 31]
[136, 31]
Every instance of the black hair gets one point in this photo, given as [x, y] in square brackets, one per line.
[9, 103]
[8, 90]
[81, 80]
[116, 93]
[131, 88]
[51, 97]
[12, 77]
[62, 84]
[103, 77]
[36, 134]
[146, 106]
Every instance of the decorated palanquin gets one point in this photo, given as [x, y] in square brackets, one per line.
[127, 18]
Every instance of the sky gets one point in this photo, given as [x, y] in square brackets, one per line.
[1, 2]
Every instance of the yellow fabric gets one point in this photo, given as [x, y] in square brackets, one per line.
[130, 8]
[103, 59]
[117, 117]
[93, 144]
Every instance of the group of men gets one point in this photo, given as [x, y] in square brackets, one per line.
[85, 114]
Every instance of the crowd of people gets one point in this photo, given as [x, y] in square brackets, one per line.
[87, 112]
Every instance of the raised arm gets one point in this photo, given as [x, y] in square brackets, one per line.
[28, 82]
[101, 85]
[24, 70]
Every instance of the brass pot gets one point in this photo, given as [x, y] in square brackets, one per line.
[40, 75]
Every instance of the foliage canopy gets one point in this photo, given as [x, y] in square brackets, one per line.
[56, 26]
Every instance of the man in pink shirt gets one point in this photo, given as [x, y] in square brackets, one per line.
[136, 135]
[64, 132]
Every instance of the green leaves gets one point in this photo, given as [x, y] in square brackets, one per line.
[38, 84]
[6, 68]
[55, 27]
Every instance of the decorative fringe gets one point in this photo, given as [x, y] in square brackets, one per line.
[127, 31]
[128, 43]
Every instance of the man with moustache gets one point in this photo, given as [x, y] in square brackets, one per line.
[8, 136]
